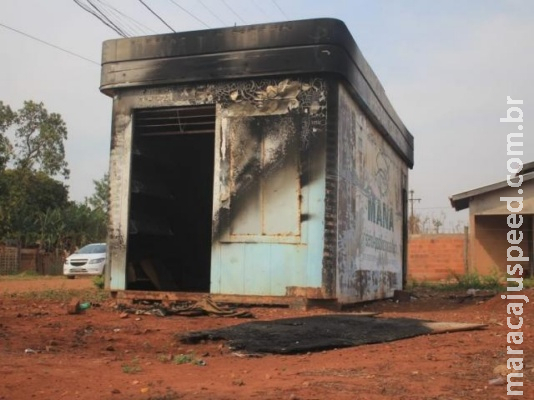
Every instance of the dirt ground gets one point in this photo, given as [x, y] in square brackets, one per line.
[47, 354]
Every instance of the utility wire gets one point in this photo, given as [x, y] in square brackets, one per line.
[157, 16]
[233, 11]
[212, 13]
[259, 7]
[90, 11]
[280, 9]
[182, 8]
[50, 44]
[126, 25]
[123, 33]
[139, 24]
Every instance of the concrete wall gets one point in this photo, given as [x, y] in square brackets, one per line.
[371, 178]
[489, 244]
[435, 257]
[490, 203]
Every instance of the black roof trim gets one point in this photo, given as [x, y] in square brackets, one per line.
[317, 46]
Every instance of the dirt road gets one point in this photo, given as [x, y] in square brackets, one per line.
[31, 284]
[47, 354]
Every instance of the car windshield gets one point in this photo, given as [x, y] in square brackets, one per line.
[92, 249]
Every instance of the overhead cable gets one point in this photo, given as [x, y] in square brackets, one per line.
[157, 16]
[233, 11]
[212, 13]
[189, 13]
[50, 44]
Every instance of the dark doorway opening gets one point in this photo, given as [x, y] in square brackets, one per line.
[171, 199]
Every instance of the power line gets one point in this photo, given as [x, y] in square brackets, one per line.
[190, 14]
[262, 11]
[233, 11]
[212, 13]
[126, 26]
[280, 9]
[121, 20]
[50, 44]
[119, 29]
[102, 19]
[139, 24]
[157, 16]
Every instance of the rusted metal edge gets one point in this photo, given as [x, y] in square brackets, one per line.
[218, 298]
[308, 292]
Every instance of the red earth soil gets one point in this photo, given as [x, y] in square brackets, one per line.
[46, 353]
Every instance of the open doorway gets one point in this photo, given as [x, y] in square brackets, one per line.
[171, 199]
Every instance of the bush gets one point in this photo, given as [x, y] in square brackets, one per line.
[458, 282]
[475, 281]
[98, 281]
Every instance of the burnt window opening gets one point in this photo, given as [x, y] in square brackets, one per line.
[171, 199]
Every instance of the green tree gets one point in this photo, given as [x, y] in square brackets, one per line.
[83, 225]
[32, 145]
[100, 198]
[51, 229]
[24, 197]
[39, 140]
[7, 116]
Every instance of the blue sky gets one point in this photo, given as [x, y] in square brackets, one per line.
[447, 67]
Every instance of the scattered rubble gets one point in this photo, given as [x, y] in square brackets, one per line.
[206, 306]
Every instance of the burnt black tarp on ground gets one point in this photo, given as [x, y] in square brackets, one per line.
[314, 333]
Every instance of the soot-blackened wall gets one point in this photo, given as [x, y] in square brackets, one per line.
[264, 182]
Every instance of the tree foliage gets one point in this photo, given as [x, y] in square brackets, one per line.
[34, 210]
[34, 207]
[24, 196]
[84, 225]
[39, 138]
[100, 198]
[7, 116]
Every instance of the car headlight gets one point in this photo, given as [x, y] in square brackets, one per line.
[97, 261]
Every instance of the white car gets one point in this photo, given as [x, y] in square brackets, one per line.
[89, 260]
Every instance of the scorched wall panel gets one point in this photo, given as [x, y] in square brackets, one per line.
[370, 208]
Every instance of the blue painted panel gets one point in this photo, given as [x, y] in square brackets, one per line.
[257, 271]
[215, 278]
[269, 268]
[315, 225]
[232, 279]
[269, 190]
[288, 267]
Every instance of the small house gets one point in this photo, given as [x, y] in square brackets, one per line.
[258, 163]
[489, 224]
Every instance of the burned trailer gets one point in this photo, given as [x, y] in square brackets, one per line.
[260, 164]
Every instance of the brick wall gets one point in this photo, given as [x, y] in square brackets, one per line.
[435, 257]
